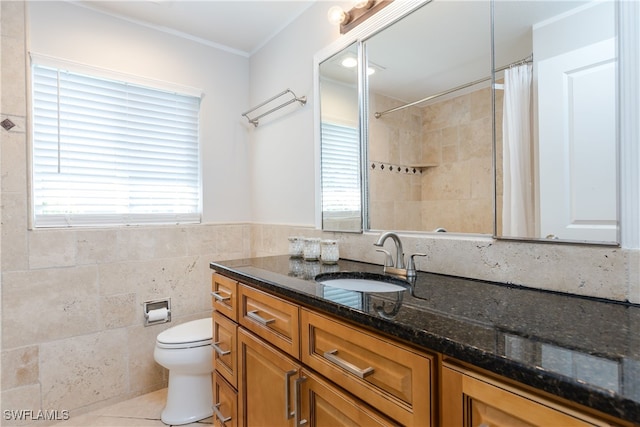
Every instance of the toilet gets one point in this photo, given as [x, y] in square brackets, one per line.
[185, 350]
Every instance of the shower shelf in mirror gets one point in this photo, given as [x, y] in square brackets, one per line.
[405, 169]
[423, 166]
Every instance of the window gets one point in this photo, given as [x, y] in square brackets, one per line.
[340, 169]
[112, 152]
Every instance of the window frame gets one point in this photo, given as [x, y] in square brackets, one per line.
[112, 219]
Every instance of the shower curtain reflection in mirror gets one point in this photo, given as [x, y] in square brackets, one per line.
[556, 122]
[517, 206]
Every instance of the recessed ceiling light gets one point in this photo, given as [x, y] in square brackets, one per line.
[349, 62]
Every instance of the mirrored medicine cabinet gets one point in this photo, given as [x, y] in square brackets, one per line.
[476, 117]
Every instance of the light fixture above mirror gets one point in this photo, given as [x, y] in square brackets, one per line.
[362, 9]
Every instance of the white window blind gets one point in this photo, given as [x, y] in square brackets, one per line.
[340, 168]
[111, 152]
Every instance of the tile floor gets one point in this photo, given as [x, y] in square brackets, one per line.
[141, 411]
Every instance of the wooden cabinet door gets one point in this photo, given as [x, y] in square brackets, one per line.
[266, 383]
[325, 405]
[225, 403]
[472, 399]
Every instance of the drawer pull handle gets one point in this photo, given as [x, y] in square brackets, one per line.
[298, 422]
[287, 408]
[255, 316]
[330, 355]
[221, 352]
[219, 297]
[218, 414]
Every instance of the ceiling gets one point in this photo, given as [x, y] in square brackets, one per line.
[239, 26]
[423, 65]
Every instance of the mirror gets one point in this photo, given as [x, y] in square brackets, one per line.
[556, 142]
[432, 162]
[340, 147]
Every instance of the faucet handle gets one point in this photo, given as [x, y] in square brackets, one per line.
[388, 260]
[411, 268]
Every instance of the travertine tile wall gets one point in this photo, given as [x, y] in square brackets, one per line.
[457, 194]
[395, 141]
[454, 135]
[603, 272]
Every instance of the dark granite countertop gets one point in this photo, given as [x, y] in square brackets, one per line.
[582, 349]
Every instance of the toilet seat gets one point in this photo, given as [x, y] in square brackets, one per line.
[196, 333]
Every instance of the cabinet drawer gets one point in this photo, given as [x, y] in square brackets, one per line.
[225, 403]
[273, 319]
[324, 404]
[392, 378]
[225, 350]
[224, 295]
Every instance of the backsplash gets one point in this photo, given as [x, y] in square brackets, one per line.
[596, 271]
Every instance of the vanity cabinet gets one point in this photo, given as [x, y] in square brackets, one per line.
[261, 379]
[280, 364]
[472, 399]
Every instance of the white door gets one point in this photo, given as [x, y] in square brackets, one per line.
[577, 144]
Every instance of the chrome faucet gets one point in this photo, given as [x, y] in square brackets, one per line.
[398, 268]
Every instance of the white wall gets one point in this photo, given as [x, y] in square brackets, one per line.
[339, 103]
[78, 34]
[282, 160]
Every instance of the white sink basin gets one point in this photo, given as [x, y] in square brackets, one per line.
[362, 285]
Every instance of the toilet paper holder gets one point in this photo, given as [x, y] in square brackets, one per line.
[157, 311]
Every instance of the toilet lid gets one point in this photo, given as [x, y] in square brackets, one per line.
[195, 331]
